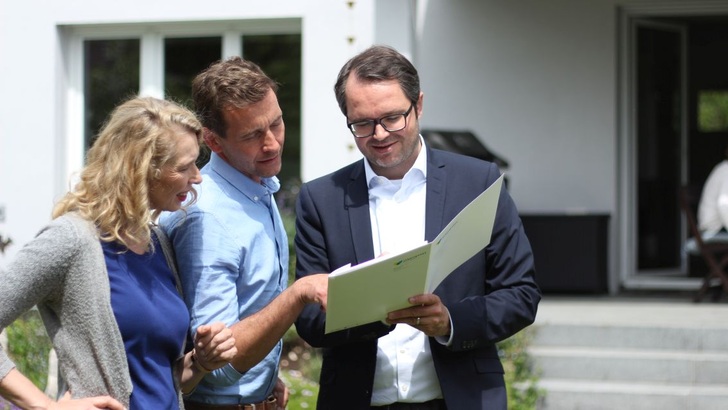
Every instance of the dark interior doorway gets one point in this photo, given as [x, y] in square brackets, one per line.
[679, 61]
[659, 78]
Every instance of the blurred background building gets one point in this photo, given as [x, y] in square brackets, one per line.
[598, 109]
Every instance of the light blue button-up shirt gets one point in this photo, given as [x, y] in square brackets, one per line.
[232, 252]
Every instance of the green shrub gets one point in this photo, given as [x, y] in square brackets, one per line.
[521, 376]
[303, 392]
[28, 347]
[300, 370]
[289, 223]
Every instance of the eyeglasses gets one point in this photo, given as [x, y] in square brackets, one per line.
[391, 123]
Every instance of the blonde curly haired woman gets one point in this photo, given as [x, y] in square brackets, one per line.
[104, 278]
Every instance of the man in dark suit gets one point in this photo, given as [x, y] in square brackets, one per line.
[440, 353]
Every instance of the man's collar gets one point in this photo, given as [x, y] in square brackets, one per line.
[241, 181]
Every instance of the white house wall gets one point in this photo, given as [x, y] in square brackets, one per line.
[536, 80]
[28, 120]
[35, 96]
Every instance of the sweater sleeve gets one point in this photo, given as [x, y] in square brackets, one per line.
[35, 276]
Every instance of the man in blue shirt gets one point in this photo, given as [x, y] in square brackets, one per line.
[231, 245]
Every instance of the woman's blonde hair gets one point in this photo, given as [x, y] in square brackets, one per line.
[138, 139]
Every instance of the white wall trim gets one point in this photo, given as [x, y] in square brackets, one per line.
[73, 115]
[151, 65]
[188, 28]
[232, 44]
[683, 8]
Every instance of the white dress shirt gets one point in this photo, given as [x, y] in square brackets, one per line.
[713, 208]
[404, 371]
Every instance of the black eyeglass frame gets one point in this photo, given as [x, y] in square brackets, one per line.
[374, 123]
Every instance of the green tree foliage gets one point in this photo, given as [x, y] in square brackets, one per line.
[713, 111]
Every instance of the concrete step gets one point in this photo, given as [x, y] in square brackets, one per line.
[631, 354]
[602, 364]
[573, 394]
[656, 337]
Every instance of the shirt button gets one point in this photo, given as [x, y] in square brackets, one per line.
[255, 198]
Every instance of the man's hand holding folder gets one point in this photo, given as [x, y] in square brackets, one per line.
[393, 283]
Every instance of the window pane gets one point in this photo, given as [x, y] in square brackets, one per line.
[111, 75]
[184, 58]
[280, 57]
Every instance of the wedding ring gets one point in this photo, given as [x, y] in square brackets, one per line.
[418, 321]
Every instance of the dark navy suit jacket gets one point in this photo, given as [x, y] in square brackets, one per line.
[490, 297]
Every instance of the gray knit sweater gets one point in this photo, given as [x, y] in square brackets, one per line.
[63, 272]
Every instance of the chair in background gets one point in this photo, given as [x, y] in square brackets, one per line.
[714, 253]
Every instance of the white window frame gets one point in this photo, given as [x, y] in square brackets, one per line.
[151, 66]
